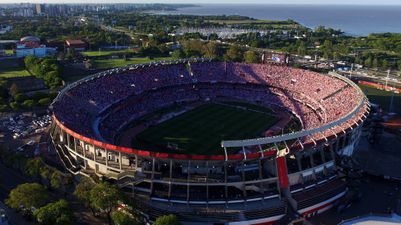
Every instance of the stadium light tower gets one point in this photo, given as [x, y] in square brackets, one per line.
[388, 76]
[390, 108]
[392, 91]
[352, 70]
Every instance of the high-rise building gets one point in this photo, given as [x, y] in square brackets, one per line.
[39, 9]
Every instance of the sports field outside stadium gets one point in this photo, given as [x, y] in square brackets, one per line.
[201, 130]
[382, 98]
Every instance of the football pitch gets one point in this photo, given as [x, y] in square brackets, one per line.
[201, 130]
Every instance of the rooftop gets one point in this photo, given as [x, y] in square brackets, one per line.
[30, 38]
[75, 42]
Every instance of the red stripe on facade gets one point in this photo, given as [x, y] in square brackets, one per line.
[282, 172]
[320, 207]
[162, 155]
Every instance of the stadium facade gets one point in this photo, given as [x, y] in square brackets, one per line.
[252, 181]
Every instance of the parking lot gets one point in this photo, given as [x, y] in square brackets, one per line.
[21, 132]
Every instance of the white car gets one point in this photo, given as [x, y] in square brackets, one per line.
[16, 135]
[3, 217]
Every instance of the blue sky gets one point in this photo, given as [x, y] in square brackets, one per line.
[354, 2]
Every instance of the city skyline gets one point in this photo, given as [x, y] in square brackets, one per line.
[341, 2]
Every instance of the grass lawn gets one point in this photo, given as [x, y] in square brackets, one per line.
[201, 130]
[382, 98]
[105, 53]
[13, 72]
[111, 63]
[9, 52]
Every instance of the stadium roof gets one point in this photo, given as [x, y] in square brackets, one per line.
[30, 38]
[8, 41]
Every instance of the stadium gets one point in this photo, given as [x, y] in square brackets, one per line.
[213, 142]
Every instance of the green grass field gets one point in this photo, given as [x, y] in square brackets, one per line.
[111, 63]
[201, 130]
[13, 72]
[382, 98]
[9, 52]
[105, 53]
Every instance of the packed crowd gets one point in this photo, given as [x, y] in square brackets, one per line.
[125, 96]
[104, 91]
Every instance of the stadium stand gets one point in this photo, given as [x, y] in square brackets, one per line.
[251, 181]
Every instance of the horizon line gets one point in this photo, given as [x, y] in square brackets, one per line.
[194, 4]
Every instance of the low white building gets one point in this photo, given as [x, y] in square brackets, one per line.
[41, 51]
[4, 29]
[31, 45]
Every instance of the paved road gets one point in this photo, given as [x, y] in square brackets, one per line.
[382, 159]
[378, 196]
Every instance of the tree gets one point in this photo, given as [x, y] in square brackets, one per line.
[385, 64]
[369, 62]
[45, 173]
[151, 51]
[327, 49]
[336, 56]
[46, 69]
[20, 97]
[28, 103]
[82, 192]
[192, 48]
[210, 50]
[178, 54]
[251, 57]
[83, 189]
[233, 54]
[358, 60]
[70, 53]
[301, 48]
[375, 63]
[57, 213]
[30, 61]
[52, 79]
[44, 101]
[104, 197]
[56, 180]
[14, 90]
[14, 105]
[27, 197]
[33, 167]
[167, 220]
[3, 107]
[120, 217]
